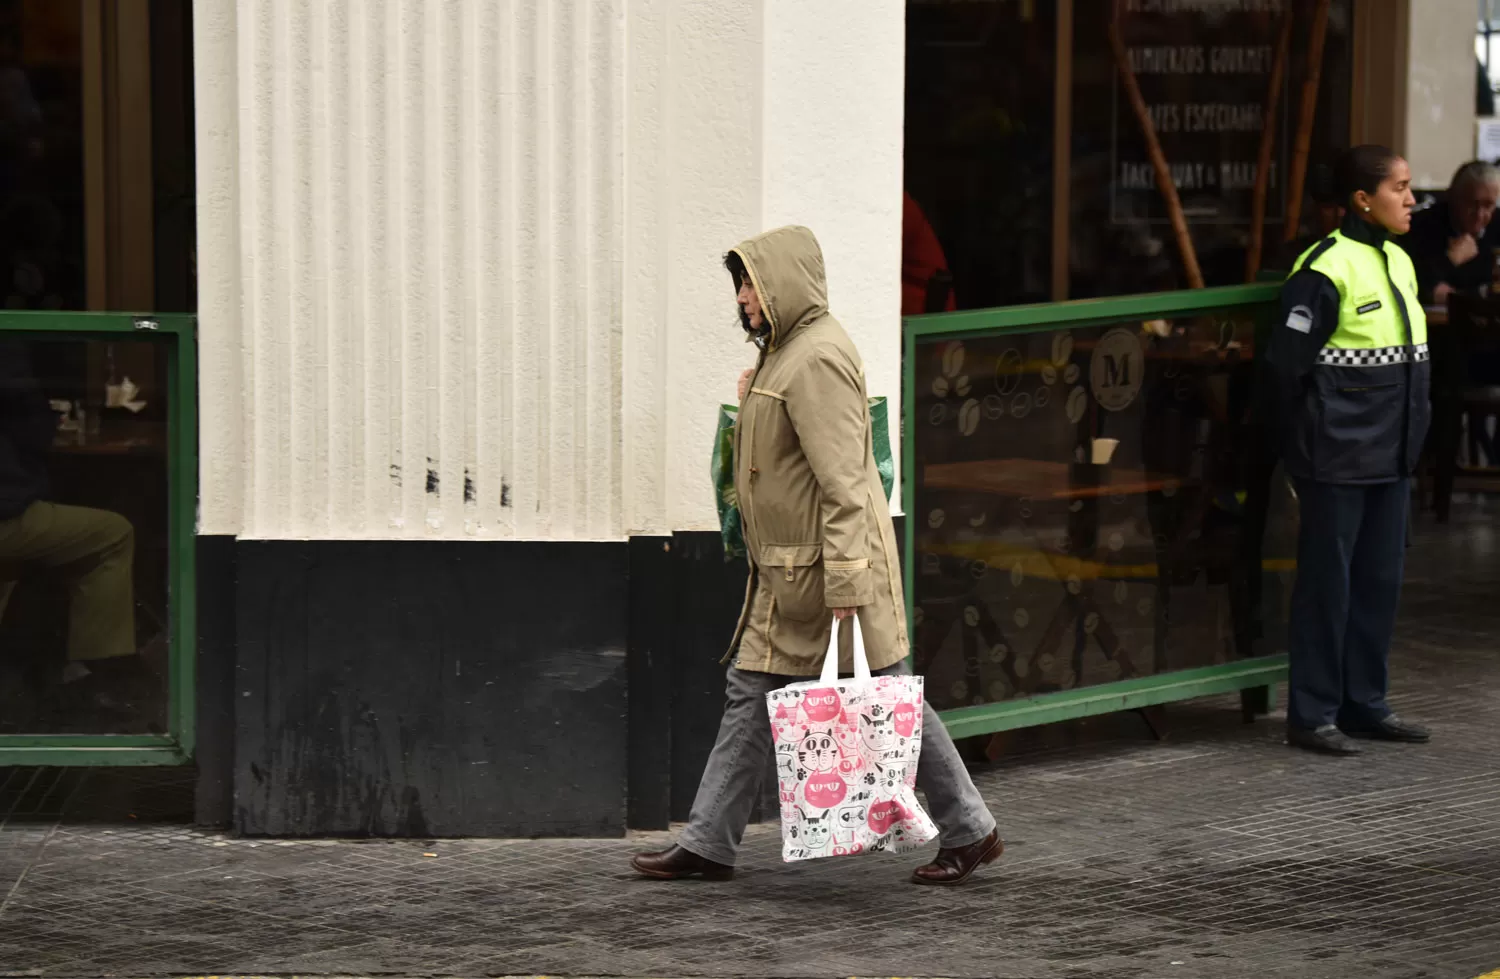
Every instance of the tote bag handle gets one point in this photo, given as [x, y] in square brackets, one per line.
[831, 658]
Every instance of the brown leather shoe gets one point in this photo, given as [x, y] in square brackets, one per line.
[956, 865]
[677, 863]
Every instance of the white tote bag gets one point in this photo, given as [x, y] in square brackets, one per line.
[846, 759]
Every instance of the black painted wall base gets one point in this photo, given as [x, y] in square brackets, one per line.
[395, 688]
[218, 642]
[423, 688]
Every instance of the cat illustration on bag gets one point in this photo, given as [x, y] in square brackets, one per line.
[822, 705]
[889, 779]
[812, 832]
[877, 727]
[818, 753]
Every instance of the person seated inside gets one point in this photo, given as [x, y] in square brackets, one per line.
[91, 551]
[1452, 244]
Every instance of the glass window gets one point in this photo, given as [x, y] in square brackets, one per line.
[981, 167]
[42, 224]
[96, 156]
[979, 119]
[83, 537]
[1091, 505]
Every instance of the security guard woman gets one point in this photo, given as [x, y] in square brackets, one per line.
[1348, 371]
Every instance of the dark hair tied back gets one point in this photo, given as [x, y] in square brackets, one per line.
[1362, 168]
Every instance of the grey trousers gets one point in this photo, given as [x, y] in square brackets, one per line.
[742, 754]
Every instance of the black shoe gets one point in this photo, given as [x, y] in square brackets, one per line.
[1327, 739]
[957, 865]
[1391, 728]
[677, 863]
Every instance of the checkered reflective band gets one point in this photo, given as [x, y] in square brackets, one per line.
[1372, 357]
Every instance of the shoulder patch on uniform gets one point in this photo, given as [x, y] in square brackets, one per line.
[1300, 319]
[1367, 307]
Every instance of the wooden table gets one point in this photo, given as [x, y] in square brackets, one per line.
[117, 438]
[1039, 479]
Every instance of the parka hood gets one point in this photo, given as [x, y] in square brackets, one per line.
[786, 268]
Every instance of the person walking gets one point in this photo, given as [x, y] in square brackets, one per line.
[821, 548]
[1349, 375]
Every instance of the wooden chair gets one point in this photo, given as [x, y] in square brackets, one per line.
[1473, 329]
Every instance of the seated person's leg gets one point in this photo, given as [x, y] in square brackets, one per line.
[101, 616]
[94, 552]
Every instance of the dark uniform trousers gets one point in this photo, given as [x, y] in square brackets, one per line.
[1350, 556]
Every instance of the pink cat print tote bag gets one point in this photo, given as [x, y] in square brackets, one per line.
[846, 759]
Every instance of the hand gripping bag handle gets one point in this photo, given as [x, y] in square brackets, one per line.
[831, 658]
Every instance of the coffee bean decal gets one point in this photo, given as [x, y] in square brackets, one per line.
[1008, 370]
[1062, 348]
[968, 417]
[953, 359]
[1078, 403]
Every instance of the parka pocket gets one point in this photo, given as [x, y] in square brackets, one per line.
[794, 573]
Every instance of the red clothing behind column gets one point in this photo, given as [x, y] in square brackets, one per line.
[921, 256]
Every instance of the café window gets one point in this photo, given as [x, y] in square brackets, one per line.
[1028, 175]
[96, 215]
[96, 155]
[84, 540]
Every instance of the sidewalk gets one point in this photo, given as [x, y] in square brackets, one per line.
[1219, 853]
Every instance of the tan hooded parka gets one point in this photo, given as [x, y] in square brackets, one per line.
[816, 523]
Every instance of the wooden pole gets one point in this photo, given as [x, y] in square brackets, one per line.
[1267, 144]
[1153, 150]
[1305, 120]
[1062, 152]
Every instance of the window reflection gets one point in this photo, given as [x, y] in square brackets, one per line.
[1093, 505]
[83, 538]
[41, 156]
[979, 79]
[981, 164]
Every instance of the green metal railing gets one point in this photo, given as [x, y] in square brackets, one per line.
[177, 333]
[1247, 674]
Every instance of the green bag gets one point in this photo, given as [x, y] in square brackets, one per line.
[730, 527]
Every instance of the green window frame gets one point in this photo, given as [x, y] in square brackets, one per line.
[177, 331]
